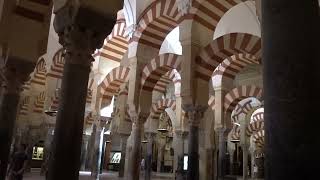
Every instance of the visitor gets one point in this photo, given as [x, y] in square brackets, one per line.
[18, 164]
[142, 164]
[255, 170]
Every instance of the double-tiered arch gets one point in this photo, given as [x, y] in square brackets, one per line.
[165, 65]
[239, 93]
[238, 47]
[156, 22]
[112, 82]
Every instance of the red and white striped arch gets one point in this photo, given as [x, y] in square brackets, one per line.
[24, 108]
[158, 107]
[39, 74]
[159, 67]
[57, 66]
[111, 83]
[224, 47]
[235, 134]
[254, 126]
[244, 108]
[257, 116]
[39, 103]
[211, 102]
[231, 66]
[171, 76]
[258, 138]
[55, 101]
[156, 22]
[116, 44]
[209, 12]
[237, 94]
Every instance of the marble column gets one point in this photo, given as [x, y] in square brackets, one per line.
[231, 155]
[79, 38]
[161, 143]
[253, 162]
[14, 73]
[245, 144]
[245, 169]
[96, 153]
[181, 136]
[222, 152]
[84, 152]
[90, 148]
[148, 159]
[124, 139]
[194, 113]
[290, 46]
[137, 127]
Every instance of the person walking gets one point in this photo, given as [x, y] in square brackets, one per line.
[18, 164]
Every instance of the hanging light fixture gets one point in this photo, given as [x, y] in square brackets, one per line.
[235, 140]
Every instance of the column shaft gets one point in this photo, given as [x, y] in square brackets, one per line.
[222, 154]
[291, 59]
[193, 156]
[245, 163]
[8, 111]
[65, 163]
[179, 153]
[134, 170]
[160, 155]
[124, 140]
[148, 159]
[96, 153]
[231, 154]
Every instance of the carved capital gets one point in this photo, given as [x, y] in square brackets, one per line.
[181, 134]
[150, 135]
[194, 113]
[81, 31]
[137, 118]
[14, 73]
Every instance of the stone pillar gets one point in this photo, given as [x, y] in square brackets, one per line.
[137, 127]
[96, 153]
[14, 73]
[245, 144]
[90, 148]
[160, 153]
[194, 113]
[80, 36]
[253, 162]
[222, 152]
[124, 140]
[181, 136]
[291, 61]
[148, 159]
[84, 152]
[245, 169]
[231, 154]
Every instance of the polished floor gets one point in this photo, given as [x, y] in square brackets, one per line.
[107, 175]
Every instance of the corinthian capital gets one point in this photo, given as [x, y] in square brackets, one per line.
[194, 113]
[83, 26]
[14, 73]
[137, 118]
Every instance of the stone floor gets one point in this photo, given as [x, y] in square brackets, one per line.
[105, 175]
